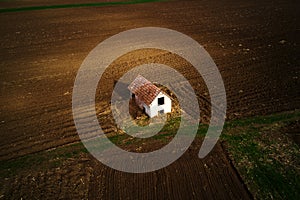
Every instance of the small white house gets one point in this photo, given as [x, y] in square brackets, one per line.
[148, 97]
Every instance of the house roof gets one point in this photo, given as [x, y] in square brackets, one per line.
[144, 89]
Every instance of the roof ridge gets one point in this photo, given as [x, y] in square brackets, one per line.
[144, 89]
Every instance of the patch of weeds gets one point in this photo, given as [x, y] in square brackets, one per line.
[202, 129]
[272, 183]
[258, 120]
[172, 125]
[163, 136]
[9, 168]
[52, 158]
[267, 159]
[118, 139]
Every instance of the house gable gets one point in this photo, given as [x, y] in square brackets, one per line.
[149, 97]
[156, 108]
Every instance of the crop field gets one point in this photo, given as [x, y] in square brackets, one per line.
[255, 45]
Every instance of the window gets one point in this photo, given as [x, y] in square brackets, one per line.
[161, 111]
[161, 101]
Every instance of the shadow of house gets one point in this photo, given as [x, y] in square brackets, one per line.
[121, 90]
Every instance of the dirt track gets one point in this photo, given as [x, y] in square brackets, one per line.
[254, 44]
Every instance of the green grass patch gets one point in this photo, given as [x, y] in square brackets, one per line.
[98, 4]
[50, 159]
[267, 159]
[263, 119]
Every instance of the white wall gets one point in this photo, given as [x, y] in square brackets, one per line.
[147, 109]
[154, 107]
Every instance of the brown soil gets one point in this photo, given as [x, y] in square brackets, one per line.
[83, 177]
[254, 44]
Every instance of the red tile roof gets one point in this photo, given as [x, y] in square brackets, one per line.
[144, 89]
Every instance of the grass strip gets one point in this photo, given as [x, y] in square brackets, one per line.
[79, 5]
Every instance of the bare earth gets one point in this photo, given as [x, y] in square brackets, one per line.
[253, 43]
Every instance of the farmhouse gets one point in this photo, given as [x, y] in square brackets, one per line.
[148, 97]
